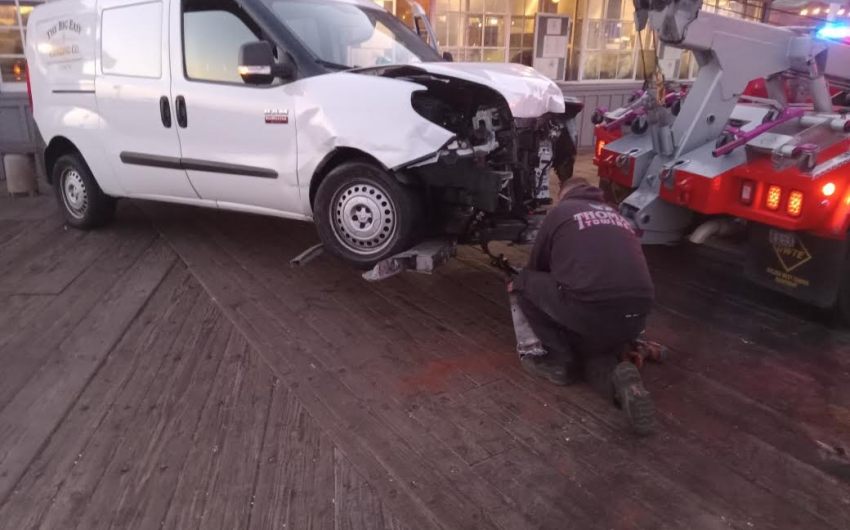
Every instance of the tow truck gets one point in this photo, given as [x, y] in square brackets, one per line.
[714, 161]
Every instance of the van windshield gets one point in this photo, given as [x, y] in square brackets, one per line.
[345, 35]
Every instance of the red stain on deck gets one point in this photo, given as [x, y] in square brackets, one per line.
[440, 375]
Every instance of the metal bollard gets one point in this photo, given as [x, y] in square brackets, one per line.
[20, 174]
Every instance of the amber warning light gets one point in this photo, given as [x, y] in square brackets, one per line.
[774, 194]
[795, 203]
[600, 145]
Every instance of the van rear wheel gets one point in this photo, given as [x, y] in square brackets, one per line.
[84, 205]
[364, 215]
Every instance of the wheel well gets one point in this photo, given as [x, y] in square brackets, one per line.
[58, 146]
[334, 159]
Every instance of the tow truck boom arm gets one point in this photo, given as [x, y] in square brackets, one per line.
[732, 52]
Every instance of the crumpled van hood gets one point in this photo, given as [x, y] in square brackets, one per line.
[528, 92]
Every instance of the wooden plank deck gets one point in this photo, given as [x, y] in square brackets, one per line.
[172, 371]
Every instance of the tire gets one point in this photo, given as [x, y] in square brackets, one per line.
[83, 203]
[841, 310]
[597, 117]
[639, 125]
[676, 107]
[613, 193]
[364, 215]
[607, 188]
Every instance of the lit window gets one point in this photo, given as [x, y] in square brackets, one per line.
[14, 15]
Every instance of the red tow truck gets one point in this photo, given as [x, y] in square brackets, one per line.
[768, 164]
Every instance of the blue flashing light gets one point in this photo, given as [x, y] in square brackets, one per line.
[834, 31]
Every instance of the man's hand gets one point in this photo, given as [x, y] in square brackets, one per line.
[510, 286]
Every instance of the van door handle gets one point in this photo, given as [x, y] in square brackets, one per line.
[182, 119]
[165, 111]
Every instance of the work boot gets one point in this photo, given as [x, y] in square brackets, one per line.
[547, 367]
[633, 397]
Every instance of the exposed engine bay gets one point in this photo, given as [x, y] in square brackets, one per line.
[489, 181]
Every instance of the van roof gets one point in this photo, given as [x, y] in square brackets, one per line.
[90, 5]
[364, 3]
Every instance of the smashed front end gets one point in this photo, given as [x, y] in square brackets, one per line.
[491, 180]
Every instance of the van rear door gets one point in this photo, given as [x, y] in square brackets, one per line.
[133, 89]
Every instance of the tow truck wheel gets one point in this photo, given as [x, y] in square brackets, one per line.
[676, 107]
[841, 311]
[639, 125]
[364, 215]
[612, 192]
[83, 203]
[607, 190]
[597, 117]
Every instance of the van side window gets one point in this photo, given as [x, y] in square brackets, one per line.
[131, 40]
[213, 32]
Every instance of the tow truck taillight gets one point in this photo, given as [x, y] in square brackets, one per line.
[828, 189]
[795, 203]
[600, 145]
[774, 195]
[748, 191]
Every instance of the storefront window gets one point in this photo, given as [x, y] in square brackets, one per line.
[402, 9]
[446, 19]
[793, 13]
[746, 9]
[484, 25]
[603, 44]
[486, 30]
[608, 48]
[13, 19]
[521, 37]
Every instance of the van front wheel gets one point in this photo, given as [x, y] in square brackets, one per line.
[364, 215]
[83, 203]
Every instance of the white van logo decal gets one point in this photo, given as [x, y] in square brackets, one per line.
[63, 41]
[277, 116]
[65, 25]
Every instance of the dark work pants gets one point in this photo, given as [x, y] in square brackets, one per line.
[590, 336]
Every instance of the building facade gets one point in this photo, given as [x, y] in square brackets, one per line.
[602, 45]
[16, 127]
[13, 20]
[603, 58]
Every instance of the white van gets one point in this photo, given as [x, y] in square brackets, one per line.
[326, 110]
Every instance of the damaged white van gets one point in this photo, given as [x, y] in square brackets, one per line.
[332, 111]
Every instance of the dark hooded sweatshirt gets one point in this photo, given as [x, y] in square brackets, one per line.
[590, 250]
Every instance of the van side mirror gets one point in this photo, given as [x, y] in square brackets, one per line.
[447, 56]
[257, 65]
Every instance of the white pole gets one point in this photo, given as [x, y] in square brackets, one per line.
[833, 11]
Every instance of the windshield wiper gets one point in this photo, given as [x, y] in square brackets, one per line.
[335, 66]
